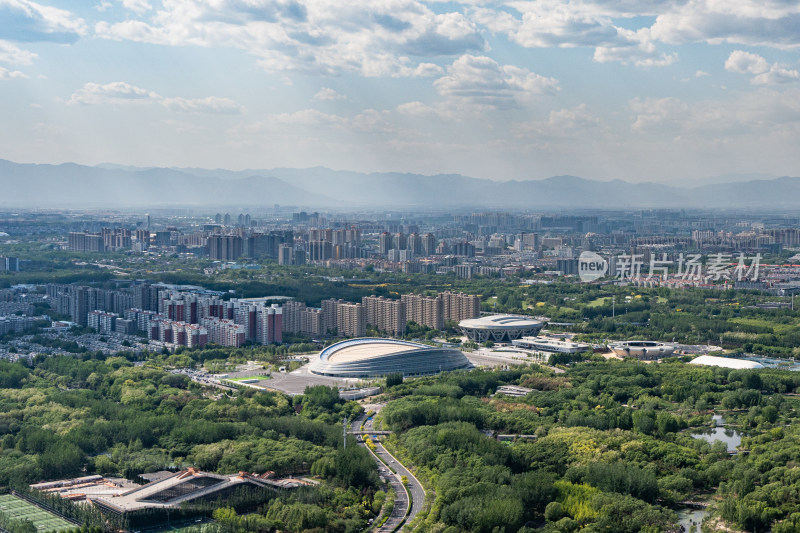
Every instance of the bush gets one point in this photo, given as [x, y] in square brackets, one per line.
[553, 512]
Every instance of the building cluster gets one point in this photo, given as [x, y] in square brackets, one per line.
[9, 264]
[15, 324]
[174, 317]
[389, 316]
[107, 240]
[17, 301]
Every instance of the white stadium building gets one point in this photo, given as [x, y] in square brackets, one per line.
[645, 350]
[500, 328]
[725, 362]
[375, 357]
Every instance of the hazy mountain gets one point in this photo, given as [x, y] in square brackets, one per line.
[71, 185]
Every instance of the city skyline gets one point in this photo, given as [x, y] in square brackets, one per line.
[654, 91]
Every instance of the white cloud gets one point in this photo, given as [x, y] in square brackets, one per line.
[306, 117]
[561, 124]
[26, 21]
[755, 115]
[114, 92]
[417, 109]
[479, 81]
[554, 23]
[763, 72]
[745, 62]
[120, 92]
[327, 94]
[634, 47]
[658, 114]
[10, 53]
[6, 74]
[371, 38]
[137, 6]
[753, 22]
[424, 70]
[209, 104]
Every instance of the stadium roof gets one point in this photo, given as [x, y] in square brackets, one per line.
[499, 322]
[725, 362]
[500, 328]
[375, 357]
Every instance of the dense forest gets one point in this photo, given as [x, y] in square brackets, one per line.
[612, 450]
[609, 446]
[65, 417]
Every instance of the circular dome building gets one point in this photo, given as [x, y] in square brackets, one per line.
[500, 328]
[373, 357]
[645, 350]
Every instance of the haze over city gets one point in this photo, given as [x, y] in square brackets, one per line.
[641, 91]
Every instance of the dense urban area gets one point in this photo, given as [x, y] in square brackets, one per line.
[284, 370]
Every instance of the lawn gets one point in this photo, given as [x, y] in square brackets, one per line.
[777, 328]
[19, 509]
[599, 302]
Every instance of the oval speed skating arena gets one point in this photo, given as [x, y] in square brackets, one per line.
[369, 358]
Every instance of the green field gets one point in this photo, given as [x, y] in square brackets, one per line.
[19, 509]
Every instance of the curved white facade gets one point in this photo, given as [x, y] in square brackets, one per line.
[725, 362]
[647, 350]
[500, 328]
[373, 357]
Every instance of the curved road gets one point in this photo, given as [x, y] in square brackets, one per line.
[414, 486]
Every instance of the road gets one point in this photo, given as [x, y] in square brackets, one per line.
[401, 499]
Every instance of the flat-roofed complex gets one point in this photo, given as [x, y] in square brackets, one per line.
[183, 487]
[644, 350]
[500, 328]
[544, 344]
[513, 391]
[367, 358]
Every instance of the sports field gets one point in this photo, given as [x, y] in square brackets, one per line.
[19, 509]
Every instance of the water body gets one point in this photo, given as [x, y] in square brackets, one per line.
[730, 437]
[691, 519]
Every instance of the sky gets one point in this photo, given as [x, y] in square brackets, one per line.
[639, 90]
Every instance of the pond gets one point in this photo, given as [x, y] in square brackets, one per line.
[730, 437]
[691, 519]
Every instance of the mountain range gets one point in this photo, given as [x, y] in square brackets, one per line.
[74, 186]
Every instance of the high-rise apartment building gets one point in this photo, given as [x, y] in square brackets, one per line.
[329, 313]
[9, 264]
[428, 244]
[286, 254]
[84, 242]
[115, 239]
[459, 306]
[424, 310]
[400, 241]
[385, 243]
[225, 247]
[350, 320]
[386, 315]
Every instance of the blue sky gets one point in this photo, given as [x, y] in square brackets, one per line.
[642, 90]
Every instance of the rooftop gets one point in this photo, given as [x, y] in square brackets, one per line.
[356, 349]
[499, 321]
[725, 362]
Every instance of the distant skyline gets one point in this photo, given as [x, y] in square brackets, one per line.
[637, 90]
